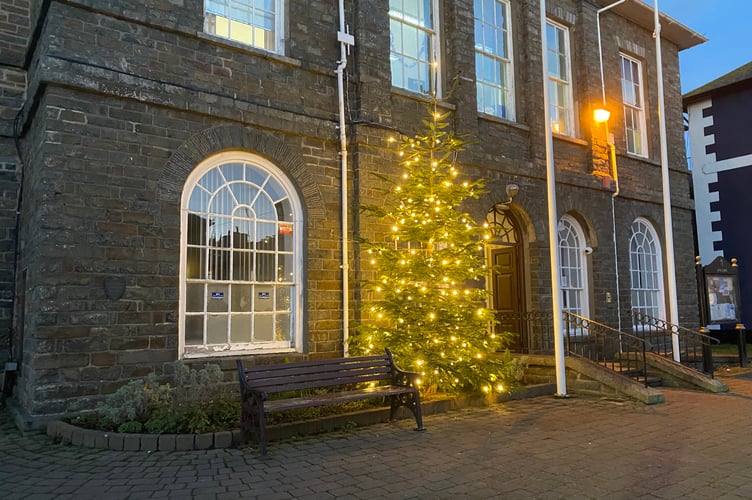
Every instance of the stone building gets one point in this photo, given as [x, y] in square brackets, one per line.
[177, 170]
[722, 172]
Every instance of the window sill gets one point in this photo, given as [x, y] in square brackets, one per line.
[226, 42]
[571, 139]
[195, 354]
[640, 158]
[417, 96]
[503, 121]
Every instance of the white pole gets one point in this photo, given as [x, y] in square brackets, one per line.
[345, 40]
[673, 316]
[553, 222]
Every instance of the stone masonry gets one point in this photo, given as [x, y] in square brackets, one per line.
[108, 106]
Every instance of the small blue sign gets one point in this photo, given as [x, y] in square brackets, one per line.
[217, 295]
[263, 295]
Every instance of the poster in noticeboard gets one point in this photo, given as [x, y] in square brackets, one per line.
[723, 298]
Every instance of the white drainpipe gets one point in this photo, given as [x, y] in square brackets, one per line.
[345, 41]
[612, 158]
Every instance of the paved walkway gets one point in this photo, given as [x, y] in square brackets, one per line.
[696, 445]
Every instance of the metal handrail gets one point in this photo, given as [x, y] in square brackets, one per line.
[618, 351]
[693, 345]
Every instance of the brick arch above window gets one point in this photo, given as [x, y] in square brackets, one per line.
[236, 137]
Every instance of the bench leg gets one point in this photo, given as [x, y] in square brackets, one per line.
[254, 421]
[412, 402]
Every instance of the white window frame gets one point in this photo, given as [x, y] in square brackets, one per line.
[273, 345]
[633, 98]
[646, 271]
[399, 19]
[237, 30]
[504, 104]
[574, 267]
[562, 113]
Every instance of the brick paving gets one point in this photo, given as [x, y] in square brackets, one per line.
[696, 445]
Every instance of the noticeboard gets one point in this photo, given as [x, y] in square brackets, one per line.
[722, 293]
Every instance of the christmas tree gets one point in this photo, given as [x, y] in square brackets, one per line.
[427, 299]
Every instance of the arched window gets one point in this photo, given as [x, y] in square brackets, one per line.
[574, 281]
[240, 259]
[645, 269]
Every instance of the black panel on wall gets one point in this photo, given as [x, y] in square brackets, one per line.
[732, 123]
[736, 218]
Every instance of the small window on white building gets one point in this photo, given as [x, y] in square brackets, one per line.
[414, 45]
[257, 23]
[574, 281]
[634, 106]
[646, 269]
[240, 259]
[559, 79]
[493, 64]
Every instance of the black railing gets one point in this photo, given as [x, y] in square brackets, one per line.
[535, 330]
[618, 351]
[694, 347]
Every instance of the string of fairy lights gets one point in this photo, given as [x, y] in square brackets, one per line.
[428, 293]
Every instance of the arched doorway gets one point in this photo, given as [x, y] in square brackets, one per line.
[508, 274]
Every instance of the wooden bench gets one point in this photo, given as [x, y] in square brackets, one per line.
[293, 382]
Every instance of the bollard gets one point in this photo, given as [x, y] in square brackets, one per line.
[742, 345]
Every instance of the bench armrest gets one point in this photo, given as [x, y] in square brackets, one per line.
[406, 379]
[402, 377]
[247, 392]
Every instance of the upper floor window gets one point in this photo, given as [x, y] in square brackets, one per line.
[634, 107]
[645, 269]
[493, 65]
[573, 265]
[240, 259]
[414, 43]
[559, 79]
[257, 23]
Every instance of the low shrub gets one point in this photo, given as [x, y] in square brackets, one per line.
[195, 405]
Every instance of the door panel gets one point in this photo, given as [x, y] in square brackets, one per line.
[508, 298]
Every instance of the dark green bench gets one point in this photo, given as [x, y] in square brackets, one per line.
[357, 378]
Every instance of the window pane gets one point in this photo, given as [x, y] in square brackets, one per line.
[218, 298]
[194, 330]
[265, 267]
[240, 328]
[284, 298]
[194, 297]
[219, 265]
[216, 329]
[264, 208]
[241, 298]
[195, 266]
[242, 266]
[282, 327]
[284, 210]
[196, 229]
[263, 328]
[264, 298]
[285, 268]
[266, 234]
[199, 200]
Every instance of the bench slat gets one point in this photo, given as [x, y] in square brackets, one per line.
[313, 384]
[330, 378]
[332, 398]
[318, 363]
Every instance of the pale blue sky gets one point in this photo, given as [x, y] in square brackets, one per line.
[726, 23]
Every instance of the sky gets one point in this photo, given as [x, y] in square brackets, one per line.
[726, 25]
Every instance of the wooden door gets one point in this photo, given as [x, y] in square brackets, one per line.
[508, 293]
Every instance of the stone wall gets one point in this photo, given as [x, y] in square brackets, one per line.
[123, 102]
